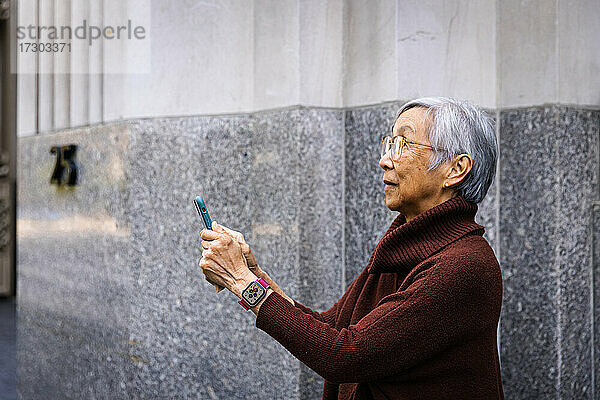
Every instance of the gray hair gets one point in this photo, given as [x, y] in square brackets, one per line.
[458, 127]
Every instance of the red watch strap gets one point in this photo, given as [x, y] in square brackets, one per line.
[263, 283]
[244, 304]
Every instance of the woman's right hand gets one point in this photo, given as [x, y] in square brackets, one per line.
[251, 262]
[246, 250]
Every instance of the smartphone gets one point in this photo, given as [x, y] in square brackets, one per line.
[203, 212]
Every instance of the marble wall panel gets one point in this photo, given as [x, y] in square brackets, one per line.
[577, 187]
[548, 179]
[73, 278]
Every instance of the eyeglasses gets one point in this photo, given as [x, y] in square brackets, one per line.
[396, 145]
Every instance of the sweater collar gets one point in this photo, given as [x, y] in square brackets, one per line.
[406, 244]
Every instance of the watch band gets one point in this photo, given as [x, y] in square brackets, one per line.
[244, 304]
[262, 283]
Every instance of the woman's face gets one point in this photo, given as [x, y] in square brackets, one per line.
[413, 189]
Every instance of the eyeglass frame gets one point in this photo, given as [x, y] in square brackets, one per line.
[392, 138]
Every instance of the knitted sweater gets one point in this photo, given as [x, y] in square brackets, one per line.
[419, 322]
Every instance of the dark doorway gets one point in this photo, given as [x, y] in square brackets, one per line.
[8, 134]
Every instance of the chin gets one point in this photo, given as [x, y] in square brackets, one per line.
[392, 204]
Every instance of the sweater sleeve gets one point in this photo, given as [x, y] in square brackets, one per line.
[327, 317]
[440, 308]
[330, 316]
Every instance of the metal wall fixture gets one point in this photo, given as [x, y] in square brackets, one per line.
[65, 168]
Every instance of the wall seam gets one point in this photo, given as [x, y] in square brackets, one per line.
[102, 117]
[557, 51]
[37, 77]
[344, 52]
[52, 76]
[344, 113]
[298, 236]
[558, 248]
[593, 256]
[557, 263]
[595, 204]
[88, 116]
[69, 77]
[301, 380]
[396, 45]
[598, 163]
[343, 147]
[298, 54]
[252, 85]
[498, 161]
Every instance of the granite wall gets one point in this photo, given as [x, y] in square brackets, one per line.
[548, 184]
[112, 303]
[75, 290]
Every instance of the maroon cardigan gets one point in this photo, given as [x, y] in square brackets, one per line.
[419, 322]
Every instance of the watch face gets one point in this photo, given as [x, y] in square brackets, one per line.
[253, 293]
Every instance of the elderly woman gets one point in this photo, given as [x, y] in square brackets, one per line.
[420, 320]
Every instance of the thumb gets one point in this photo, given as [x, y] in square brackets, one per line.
[217, 228]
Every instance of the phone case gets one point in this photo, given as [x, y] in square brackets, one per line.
[203, 212]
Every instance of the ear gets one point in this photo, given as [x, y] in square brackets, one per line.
[459, 168]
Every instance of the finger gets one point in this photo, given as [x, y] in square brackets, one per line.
[218, 227]
[225, 240]
[206, 254]
[208, 240]
[234, 234]
[207, 234]
[245, 248]
[218, 243]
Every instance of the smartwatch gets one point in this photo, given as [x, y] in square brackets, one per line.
[254, 293]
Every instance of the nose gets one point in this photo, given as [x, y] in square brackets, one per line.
[385, 161]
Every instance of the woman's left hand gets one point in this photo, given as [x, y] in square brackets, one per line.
[223, 262]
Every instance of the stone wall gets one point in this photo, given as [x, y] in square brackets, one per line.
[111, 300]
[548, 185]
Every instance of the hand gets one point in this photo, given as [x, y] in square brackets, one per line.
[223, 262]
[246, 251]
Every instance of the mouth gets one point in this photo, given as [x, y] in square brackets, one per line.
[389, 184]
